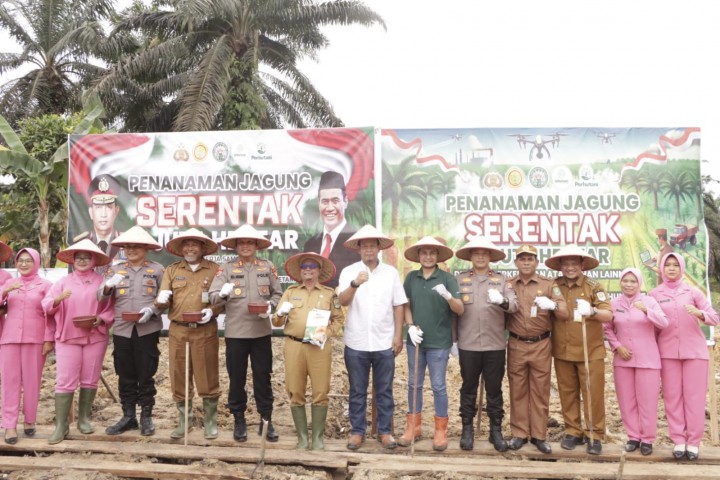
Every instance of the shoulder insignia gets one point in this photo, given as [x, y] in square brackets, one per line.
[556, 290]
[508, 285]
[601, 296]
[273, 270]
[591, 282]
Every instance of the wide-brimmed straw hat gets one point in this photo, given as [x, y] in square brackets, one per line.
[444, 252]
[588, 262]
[292, 266]
[246, 232]
[368, 232]
[136, 236]
[465, 252]
[174, 246]
[86, 245]
[5, 252]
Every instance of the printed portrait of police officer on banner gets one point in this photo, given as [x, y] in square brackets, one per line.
[103, 210]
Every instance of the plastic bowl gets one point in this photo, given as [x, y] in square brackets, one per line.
[85, 321]
[257, 307]
[192, 317]
[131, 316]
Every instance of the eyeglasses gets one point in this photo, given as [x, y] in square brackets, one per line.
[311, 266]
[24, 260]
[82, 259]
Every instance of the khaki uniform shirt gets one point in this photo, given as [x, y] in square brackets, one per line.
[304, 300]
[190, 289]
[253, 282]
[567, 337]
[482, 326]
[522, 322]
[136, 291]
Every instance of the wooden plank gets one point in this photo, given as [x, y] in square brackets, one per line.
[131, 470]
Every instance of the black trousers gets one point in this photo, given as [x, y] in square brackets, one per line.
[491, 365]
[136, 362]
[259, 351]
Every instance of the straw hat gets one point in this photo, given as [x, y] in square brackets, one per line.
[136, 236]
[86, 245]
[174, 246]
[480, 242]
[292, 266]
[444, 252]
[368, 232]
[5, 252]
[246, 232]
[588, 262]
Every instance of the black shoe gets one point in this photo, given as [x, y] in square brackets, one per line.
[594, 447]
[467, 438]
[569, 442]
[146, 424]
[632, 445]
[542, 445]
[516, 443]
[692, 455]
[30, 431]
[646, 448]
[127, 422]
[240, 428]
[496, 437]
[677, 453]
[271, 434]
[11, 440]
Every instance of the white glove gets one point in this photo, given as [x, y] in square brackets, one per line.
[207, 315]
[415, 334]
[495, 297]
[226, 289]
[114, 281]
[454, 351]
[584, 308]
[284, 309]
[266, 314]
[147, 313]
[545, 303]
[442, 291]
[164, 296]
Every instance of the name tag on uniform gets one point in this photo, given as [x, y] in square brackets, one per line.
[576, 316]
[533, 311]
[205, 297]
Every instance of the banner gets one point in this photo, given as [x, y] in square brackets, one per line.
[217, 181]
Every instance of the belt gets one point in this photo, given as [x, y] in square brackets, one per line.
[297, 339]
[529, 339]
[190, 324]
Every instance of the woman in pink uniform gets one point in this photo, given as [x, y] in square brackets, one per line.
[631, 335]
[684, 356]
[79, 352]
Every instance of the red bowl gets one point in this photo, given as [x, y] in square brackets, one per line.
[85, 321]
[257, 307]
[192, 317]
[131, 316]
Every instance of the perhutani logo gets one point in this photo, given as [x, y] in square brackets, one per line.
[261, 148]
[562, 177]
[515, 177]
[538, 177]
[586, 177]
[221, 151]
[261, 153]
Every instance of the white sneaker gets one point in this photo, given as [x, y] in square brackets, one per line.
[678, 451]
[692, 452]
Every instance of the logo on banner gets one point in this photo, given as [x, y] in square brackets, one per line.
[200, 152]
[221, 151]
[515, 177]
[181, 154]
[562, 176]
[493, 180]
[538, 177]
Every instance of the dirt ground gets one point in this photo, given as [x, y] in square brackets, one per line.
[105, 412]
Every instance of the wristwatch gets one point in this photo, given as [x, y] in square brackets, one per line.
[353, 284]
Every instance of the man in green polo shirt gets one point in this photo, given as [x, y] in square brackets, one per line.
[434, 297]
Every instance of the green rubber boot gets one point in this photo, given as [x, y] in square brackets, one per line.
[179, 432]
[63, 404]
[210, 406]
[319, 415]
[299, 415]
[85, 402]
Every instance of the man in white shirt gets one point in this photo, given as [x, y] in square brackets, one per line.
[374, 297]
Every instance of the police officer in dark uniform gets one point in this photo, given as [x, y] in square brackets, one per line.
[103, 210]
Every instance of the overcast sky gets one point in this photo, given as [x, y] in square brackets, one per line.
[524, 63]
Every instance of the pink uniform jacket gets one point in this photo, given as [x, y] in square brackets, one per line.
[636, 330]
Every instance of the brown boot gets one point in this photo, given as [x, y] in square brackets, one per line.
[440, 441]
[414, 427]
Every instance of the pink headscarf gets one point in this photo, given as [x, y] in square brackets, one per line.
[638, 276]
[90, 270]
[32, 275]
[672, 284]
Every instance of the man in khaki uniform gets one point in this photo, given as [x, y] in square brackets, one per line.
[185, 288]
[132, 286]
[530, 350]
[586, 299]
[306, 352]
[247, 335]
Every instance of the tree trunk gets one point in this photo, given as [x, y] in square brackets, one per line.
[44, 233]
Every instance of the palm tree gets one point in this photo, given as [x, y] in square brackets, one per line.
[59, 39]
[230, 63]
[401, 183]
[631, 179]
[650, 182]
[677, 186]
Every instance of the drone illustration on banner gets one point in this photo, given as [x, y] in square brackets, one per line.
[606, 137]
[457, 137]
[538, 143]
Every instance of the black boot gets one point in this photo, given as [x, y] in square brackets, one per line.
[271, 434]
[496, 437]
[127, 422]
[240, 429]
[146, 424]
[467, 439]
